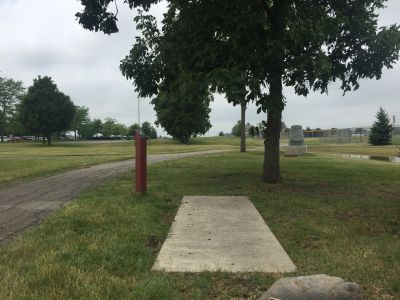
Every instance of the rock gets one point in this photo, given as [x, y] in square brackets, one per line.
[386, 297]
[314, 287]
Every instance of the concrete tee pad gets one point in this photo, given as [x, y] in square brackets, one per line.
[221, 234]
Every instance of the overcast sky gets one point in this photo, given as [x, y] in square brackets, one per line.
[42, 37]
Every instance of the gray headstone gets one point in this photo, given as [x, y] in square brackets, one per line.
[296, 137]
[314, 287]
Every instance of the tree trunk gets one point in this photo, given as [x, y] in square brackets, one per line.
[44, 140]
[272, 172]
[243, 126]
[49, 140]
[75, 134]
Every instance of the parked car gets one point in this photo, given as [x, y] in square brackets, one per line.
[28, 138]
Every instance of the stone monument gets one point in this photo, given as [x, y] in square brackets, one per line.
[296, 142]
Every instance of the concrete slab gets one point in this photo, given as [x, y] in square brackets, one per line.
[221, 234]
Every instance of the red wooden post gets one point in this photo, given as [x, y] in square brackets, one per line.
[141, 163]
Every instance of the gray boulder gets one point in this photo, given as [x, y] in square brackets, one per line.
[314, 287]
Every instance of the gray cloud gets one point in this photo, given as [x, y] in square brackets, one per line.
[42, 37]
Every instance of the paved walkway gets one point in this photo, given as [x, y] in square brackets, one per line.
[25, 204]
[221, 234]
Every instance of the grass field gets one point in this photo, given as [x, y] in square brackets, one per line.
[26, 160]
[362, 149]
[363, 140]
[335, 216]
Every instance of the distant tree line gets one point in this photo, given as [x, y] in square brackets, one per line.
[111, 129]
[253, 130]
[44, 112]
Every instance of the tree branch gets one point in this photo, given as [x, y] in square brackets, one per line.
[267, 9]
[116, 8]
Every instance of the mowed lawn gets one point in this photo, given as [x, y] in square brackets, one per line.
[362, 149]
[26, 160]
[335, 216]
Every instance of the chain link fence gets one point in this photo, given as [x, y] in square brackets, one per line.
[344, 135]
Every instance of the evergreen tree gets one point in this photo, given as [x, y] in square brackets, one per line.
[381, 131]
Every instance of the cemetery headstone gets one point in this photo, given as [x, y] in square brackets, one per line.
[296, 145]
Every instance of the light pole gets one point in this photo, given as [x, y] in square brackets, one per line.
[138, 109]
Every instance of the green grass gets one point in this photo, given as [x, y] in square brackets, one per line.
[363, 140]
[362, 149]
[26, 160]
[333, 216]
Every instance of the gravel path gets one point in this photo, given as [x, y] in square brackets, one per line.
[25, 204]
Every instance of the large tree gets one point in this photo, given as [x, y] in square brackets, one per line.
[119, 130]
[10, 92]
[108, 125]
[149, 131]
[45, 110]
[182, 98]
[303, 44]
[91, 128]
[236, 129]
[80, 120]
[236, 92]
[133, 128]
[182, 108]
[236, 85]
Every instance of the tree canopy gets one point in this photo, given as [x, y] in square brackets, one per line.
[148, 130]
[133, 128]
[182, 108]
[10, 93]
[45, 110]
[236, 130]
[80, 120]
[303, 44]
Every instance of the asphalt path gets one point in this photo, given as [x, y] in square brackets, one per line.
[25, 204]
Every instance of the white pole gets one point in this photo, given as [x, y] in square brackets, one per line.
[138, 109]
